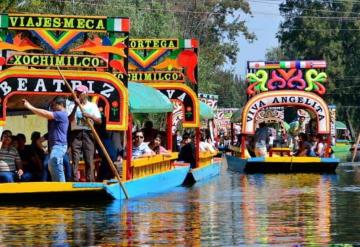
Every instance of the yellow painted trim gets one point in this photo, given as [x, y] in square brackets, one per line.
[207, 154]
[292, 159]
[153, 159]
[152, 165]
[41, 187]
[206, 158]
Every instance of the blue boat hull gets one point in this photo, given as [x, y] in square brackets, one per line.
[151, 184]
[92, 191]
[259, 165]
[206, 172]
[235, 164]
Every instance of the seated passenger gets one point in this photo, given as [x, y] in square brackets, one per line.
[149, 132]
[304, 146]
[155, 145]
[30, 172]
[261, 139]
[10, 162]
[205, 146]
[187, 151]
[319, 146]
[140, 149]
[37, 155]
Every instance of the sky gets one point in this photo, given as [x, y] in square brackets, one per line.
[264, 23]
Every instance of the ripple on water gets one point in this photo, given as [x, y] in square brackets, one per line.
[230, 210]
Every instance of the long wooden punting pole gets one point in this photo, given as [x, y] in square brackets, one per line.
[355, 148]
[97, 138]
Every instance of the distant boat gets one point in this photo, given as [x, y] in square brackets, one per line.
[342, 144]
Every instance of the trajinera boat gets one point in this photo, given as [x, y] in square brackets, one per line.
[33, 48]
[279, 93]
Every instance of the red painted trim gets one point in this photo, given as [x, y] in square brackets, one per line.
[129, 148]
[197, 146]
[243, 143]
[169, 130]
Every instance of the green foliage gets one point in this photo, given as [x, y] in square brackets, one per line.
[275, 54]
[329, 30]
[216, 24]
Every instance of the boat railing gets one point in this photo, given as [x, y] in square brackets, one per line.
[206, 158]
[151, 165]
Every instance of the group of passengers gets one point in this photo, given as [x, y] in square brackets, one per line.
[300, 139]
[66, 128]
[69, 133]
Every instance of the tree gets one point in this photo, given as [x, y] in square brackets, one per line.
[275, 54]
[329, 30]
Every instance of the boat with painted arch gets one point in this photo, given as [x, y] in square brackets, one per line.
[287, 86]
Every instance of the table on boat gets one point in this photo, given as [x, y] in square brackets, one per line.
[280, 151]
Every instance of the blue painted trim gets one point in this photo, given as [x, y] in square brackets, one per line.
[87, 185]
[206, 172]
[256, 159]
[330, 160]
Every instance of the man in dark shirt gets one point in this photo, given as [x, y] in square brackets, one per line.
[57, 129]
[187, 151]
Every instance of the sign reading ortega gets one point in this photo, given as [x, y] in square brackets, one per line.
[154, 43]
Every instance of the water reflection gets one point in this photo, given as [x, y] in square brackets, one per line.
[286, 209]
[230, 210]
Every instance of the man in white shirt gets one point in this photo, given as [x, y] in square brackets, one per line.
[81, 137]
[140, 148]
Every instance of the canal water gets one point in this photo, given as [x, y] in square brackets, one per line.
[229, 210]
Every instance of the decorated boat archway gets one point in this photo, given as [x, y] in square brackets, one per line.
[293, 85]
[170, 65]
[310, 101]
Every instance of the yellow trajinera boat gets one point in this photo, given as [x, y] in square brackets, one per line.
[106, 66]
[276, 90]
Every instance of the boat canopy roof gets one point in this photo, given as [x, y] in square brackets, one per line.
[205, 111]
[340, 125]
[146, 99]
